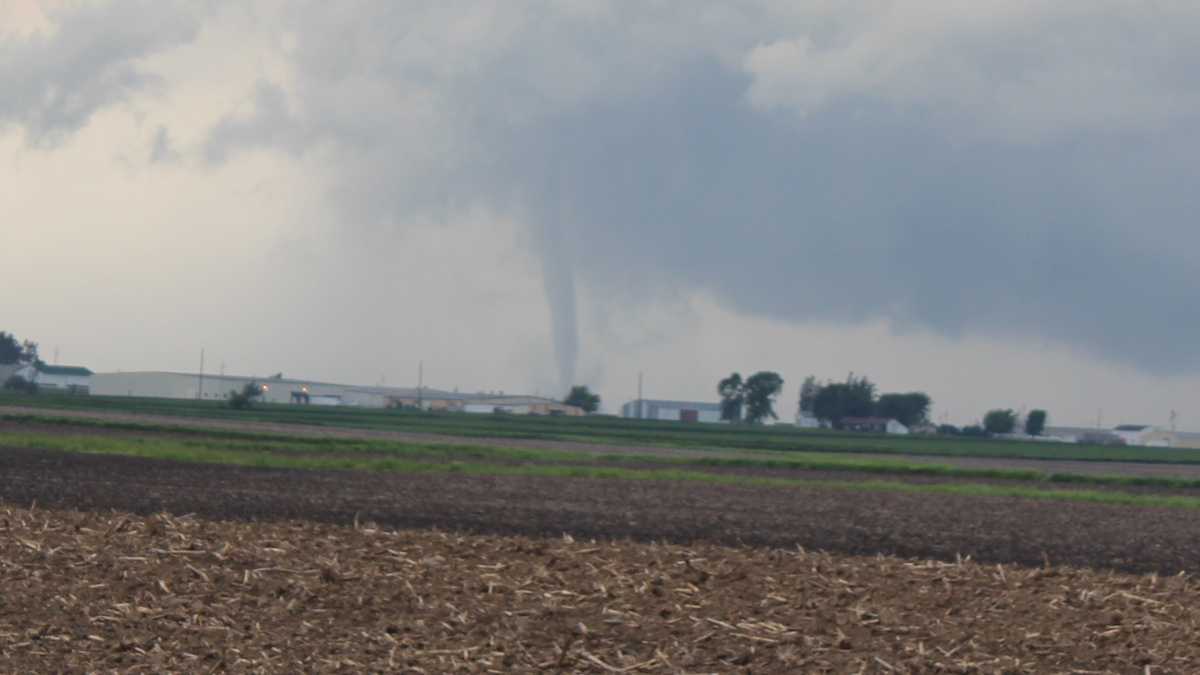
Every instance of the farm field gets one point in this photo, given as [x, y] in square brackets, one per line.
[117, 592]
[591, 430]
[163, 543]
[467, 429]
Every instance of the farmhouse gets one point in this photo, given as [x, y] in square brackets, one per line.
[675, 411]
[874, 425]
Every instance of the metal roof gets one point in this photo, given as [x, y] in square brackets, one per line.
[63, 370]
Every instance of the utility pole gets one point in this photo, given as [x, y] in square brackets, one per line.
[1174, 416]
[200, 385]
[420, 383]
[1100, 418]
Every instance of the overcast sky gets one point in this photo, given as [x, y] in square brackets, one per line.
[994, 202]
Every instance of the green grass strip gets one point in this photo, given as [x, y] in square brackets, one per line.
[609, 430]
[156, 449]
[294, 445]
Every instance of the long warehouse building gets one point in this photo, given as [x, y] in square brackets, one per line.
[278, 389]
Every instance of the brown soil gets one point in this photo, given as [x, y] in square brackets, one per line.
[115, 592]
[916, 525]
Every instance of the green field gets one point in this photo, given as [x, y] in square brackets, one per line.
[281, 452]
[612, 431]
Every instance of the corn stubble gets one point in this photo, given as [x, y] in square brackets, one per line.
[86, 591]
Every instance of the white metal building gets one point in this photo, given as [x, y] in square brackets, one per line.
[72, 379]
[675, 411]
[279, 389]
[157, 384]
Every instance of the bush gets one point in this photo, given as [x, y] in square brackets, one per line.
[241, 400]
[20, 384]
[974, 431]
[948, 430]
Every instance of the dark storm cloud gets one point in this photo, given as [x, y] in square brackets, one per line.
[830, 188]
[53, 83]
[860, 212]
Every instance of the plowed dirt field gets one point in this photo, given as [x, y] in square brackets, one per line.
[122, 564]
[115, 592]
[940, 526]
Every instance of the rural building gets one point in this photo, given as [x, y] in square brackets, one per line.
[519, 405]
[278, 389]
[674, 411]
[426, 399]
[275, 389]
[65, 379]
[1185, 439]
[1124, 434]
[1068, 434]
[873, 425]
[806, 420]
[1141, 434]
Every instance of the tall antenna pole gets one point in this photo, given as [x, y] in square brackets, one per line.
[1100, 418]
[200, 385]
[420, 383]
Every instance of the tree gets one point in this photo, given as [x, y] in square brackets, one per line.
[761, 389]
[1035, 423]
[12, 351]
[948, 430]
[239, 400]
[853, 398]
[974, 431]
[1000, 421]
[808, 395]
[582, 397]
[908, 409]
[733, 397]
[18, 383]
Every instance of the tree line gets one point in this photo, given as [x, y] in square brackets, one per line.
[751, 400]
[834, 402]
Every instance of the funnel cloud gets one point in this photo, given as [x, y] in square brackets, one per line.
[986, 172]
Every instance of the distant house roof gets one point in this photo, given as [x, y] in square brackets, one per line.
[1131, 427]
[78, 371]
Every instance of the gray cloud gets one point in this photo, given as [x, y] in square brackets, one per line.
[994, 170]
[54, 82]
